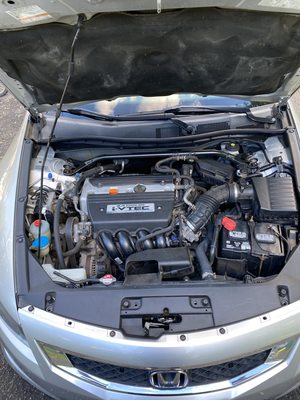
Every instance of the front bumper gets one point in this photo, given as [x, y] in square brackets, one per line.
[201, 348]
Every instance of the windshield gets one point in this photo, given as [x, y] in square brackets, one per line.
[136, 104]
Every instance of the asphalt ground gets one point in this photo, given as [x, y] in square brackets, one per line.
[12, 386]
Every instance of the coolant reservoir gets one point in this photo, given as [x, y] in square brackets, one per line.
[76, 274]
[45, 229]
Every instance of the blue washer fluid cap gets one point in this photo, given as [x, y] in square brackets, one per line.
[50, 176]
[44, 242]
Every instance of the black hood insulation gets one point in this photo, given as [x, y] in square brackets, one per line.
[208, 51]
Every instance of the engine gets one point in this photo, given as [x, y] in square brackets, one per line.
[224, 213]
[129, 203]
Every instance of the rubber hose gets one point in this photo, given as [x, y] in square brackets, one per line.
[75, 249]
[207, 204]
[89, 173]
[204, 264]
[59, 252]
[153, 235]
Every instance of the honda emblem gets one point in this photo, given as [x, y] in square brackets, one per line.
[176, 379]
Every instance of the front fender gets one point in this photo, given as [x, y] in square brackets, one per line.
[9, 170]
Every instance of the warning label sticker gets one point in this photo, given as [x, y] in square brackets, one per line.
[29, 14]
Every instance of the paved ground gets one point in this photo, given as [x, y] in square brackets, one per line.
[12, 387]
[11, 116]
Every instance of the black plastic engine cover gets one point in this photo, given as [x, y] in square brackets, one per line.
[215, 172]
[130, 211]
[153, 265]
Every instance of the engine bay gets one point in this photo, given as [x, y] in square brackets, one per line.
[227, 211]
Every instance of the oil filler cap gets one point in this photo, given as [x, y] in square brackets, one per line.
[229, 224]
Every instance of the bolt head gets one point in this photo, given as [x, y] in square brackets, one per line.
[205, 302]
[126, 304]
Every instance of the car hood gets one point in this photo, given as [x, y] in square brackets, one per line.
[252, 53]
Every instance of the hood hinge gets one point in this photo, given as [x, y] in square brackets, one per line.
[34, 114]
[282, 103]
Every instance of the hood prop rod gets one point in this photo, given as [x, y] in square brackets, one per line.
[81, 18]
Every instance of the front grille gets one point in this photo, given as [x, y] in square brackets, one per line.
[197, 376]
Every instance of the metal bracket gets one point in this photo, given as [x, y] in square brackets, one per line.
[284, 296]
[50, 298]
[150, 325]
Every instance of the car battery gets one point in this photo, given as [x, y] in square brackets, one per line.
[259, 245]
[236, 243]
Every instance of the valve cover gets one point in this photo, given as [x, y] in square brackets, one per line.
[129, 202]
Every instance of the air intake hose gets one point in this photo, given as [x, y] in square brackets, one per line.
[209, 202]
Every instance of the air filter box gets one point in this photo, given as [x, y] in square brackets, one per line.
[275, 199]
